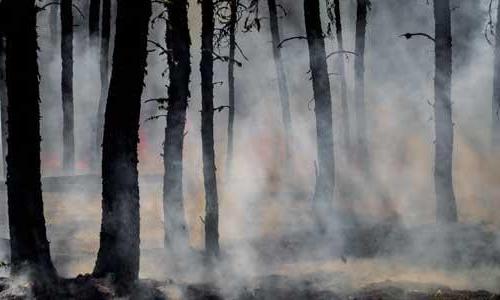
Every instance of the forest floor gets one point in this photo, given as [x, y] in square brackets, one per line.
[266, 288]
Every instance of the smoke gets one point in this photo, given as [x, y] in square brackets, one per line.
[266, 224]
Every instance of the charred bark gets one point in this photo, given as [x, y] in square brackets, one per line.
[495, 116]
[359, 87]
[323, 111]
[178, 44]
[67, 86]
[230, 77]
[94, 12]
[28, 239]
[343, 83]
[282, 82]
[104, 73]
[3, 104]
[207, 130]
[446, 208]
[119, 239]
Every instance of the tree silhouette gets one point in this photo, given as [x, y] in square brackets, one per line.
[3, 103]
[323, 111]
[119, 239]
[443, 160]
[30, 253]
[362, 155]
[67, 86]
[495, 116]
[104, 74]
[207, 130]
[280, 71]
[178, 44]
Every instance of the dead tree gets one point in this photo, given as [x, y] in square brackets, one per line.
[359, 87]
[67, 85]
[104, 73]
[443, 160]
[233, 22]
[3, 104]
[178, 43]
[342, 77]
[119, 239]
[207, 129]
[496, 88]
[30, 253]
[323, 111]
[282, 82]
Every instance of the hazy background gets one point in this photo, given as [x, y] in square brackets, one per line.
[257, 204]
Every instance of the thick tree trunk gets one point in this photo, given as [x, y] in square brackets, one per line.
[104, 73]
[343, 83]
[119, 240]
[3, 104]
[179, 63]
[94, 12]
[282, 82]
[230, 77]
[28, 239]
[359, 88]
[207, 130]
[323, 111]
[495, 116]
[67, 86]
[443, 160]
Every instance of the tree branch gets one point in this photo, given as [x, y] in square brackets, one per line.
[409, 35]
[280, 45]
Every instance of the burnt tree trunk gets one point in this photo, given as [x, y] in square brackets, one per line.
[282, 82]
[446, 208]
[343, 83]
[359, 88]
[207, 130]
[496, 88]
[67, 86]
[323, 111]
[3, 104]
[104, 73]
[28, 239]
[94, 12]
[178, 43]
[119, 240]
[230, 77]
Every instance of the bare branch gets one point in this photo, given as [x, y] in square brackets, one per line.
[301, 37]
[409, 35]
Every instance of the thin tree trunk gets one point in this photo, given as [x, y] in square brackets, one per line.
[3, 105]
[94, 12]
[119, 240]
[323, 111]
[282, 82]
[67, 85]
[359, 88]
[178, 43]
[207, 130]
[28, 239]
[495, 116]
[104, 72]
[343, 83]
[443, 178]
[230, 74]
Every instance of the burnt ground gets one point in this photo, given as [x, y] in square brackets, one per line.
[267, 288]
